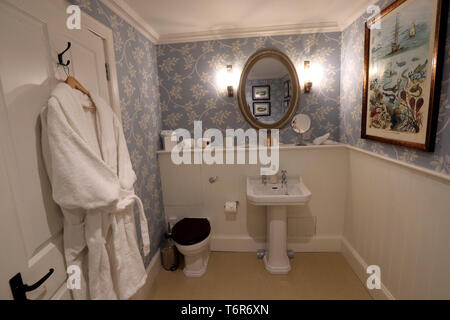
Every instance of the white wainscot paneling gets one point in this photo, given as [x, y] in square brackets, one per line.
[399, 219]
[188, 193]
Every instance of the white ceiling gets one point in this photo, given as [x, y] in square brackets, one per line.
[193, 20]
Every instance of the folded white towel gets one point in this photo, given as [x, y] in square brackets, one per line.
[322, 139]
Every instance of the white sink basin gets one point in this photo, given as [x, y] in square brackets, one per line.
[276, 195]
[276, 198]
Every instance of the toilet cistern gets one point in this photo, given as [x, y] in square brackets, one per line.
[276, 197]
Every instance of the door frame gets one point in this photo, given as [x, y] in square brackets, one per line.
[106, 34]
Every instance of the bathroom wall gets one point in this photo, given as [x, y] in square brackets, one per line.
[397, 217]
[189, 91]
[316, 227]
[139, 95]
[351, 105]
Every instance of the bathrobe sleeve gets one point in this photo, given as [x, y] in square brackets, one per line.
[80, 179]
[125, 168]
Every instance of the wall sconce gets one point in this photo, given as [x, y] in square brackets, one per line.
[227, 79]
[307, 76]
[230, 89]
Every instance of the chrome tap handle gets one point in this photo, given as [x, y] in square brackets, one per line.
[284, 176]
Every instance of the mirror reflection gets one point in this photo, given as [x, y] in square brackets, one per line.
[268, 90]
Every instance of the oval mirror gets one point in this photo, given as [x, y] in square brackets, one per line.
[269, 91]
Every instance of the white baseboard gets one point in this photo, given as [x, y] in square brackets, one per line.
[359, 266]
[249, 244]
[153, 270]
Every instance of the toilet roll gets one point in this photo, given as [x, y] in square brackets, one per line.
[231, 206]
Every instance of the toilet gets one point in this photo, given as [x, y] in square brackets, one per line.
[192, 237]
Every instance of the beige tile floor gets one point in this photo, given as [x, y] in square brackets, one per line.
[241, 276]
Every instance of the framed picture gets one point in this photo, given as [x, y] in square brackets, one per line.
[286, 88]
[404, 50]
[261, 92]
[261, 109]
[286, 104]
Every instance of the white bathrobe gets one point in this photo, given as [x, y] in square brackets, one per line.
[92, 179]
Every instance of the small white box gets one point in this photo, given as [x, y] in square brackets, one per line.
[168, 143]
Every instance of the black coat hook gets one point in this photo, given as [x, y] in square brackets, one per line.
[60, 56]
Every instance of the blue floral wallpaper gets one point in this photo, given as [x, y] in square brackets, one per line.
[351, 104]
[189, 90]
[139, 95]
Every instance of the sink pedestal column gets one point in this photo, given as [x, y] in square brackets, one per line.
[276, 259]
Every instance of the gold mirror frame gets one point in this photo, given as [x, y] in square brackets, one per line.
[295, 96]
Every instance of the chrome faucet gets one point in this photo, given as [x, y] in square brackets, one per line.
[264, 179]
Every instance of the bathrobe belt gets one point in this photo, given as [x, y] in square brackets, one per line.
[128, 198]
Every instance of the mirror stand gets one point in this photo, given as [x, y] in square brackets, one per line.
[302, 140]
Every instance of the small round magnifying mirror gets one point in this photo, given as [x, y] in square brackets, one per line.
[301, 124]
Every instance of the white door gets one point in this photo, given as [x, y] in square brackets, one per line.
[31, 34]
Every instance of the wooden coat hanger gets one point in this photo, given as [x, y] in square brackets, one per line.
[75, 84]
[71, 81]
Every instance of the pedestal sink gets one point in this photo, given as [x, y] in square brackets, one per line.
[276, 198]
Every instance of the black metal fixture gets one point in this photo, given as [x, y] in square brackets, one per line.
[19, 289]
[60, 56]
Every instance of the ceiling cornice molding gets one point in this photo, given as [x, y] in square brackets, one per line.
[362, 9]
[121, 8]
[250, 32]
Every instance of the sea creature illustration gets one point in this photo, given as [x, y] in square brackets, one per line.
[416, 90]
[420, 67]
[390, 73]
[404, 76]
[396, 101]
[391, 92]
[391, 97]
[380, 117]
[373, 84]
[393, 89]
[419, 73]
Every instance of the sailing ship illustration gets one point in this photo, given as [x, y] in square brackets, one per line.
[412, 30]
[395, 43]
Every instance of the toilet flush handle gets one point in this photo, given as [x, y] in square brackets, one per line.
[213, 179]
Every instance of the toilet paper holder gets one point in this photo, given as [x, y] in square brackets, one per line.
[237, 204]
